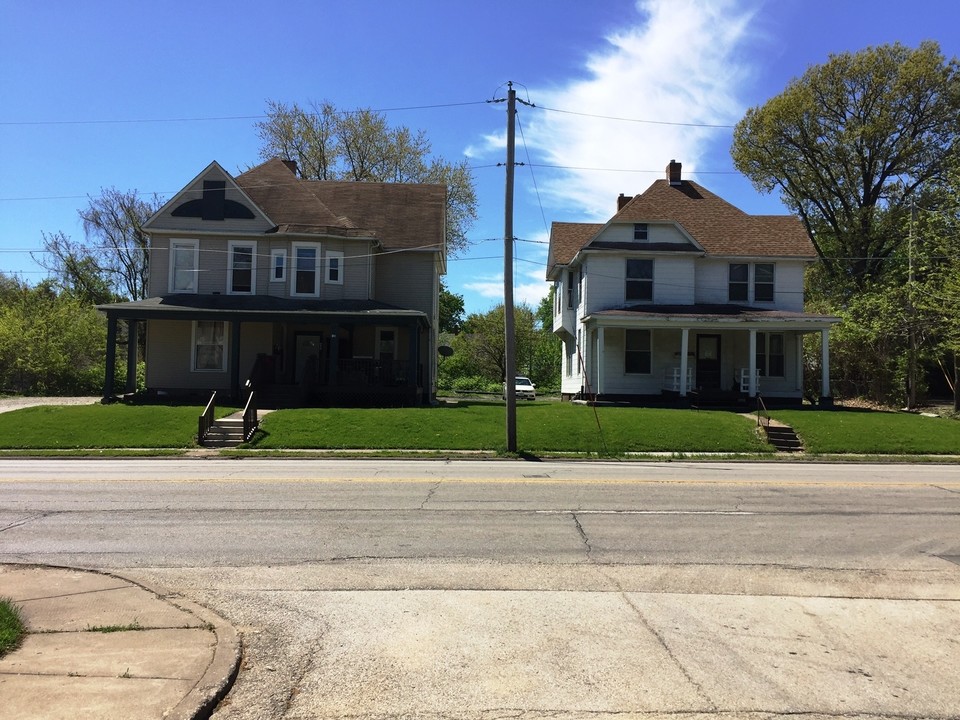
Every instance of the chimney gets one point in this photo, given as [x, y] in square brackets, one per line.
[673, 172]
[623, 200]
[291, 165]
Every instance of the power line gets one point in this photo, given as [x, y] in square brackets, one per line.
[636, 120]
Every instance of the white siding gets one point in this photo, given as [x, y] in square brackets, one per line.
[605, 282]
[656, 233]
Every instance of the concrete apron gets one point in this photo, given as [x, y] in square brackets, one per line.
[575, 641]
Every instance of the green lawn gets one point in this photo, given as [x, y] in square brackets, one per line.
[11, 626]
[541, 427]
[872, 432]
[101, 426]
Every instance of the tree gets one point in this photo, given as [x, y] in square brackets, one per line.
[451, 310]
[850, 143]
[331, 144]
[113, 259]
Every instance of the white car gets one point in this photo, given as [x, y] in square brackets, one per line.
[524, 388]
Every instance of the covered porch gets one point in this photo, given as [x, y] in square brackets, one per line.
[696, 354]
[292, 353]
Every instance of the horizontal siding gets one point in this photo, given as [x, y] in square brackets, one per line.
[713, 276]
[605, 282]
[407, 280]
[656, 233]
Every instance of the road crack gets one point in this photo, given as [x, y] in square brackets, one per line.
[430, 492]
[26, 520]
[583, 534]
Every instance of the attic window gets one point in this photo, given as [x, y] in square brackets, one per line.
[640, 231]
[214, 205]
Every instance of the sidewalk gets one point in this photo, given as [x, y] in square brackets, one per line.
[99, 646]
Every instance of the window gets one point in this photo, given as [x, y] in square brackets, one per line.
[184, 257]
[571, 349]
[639, 280]
[306, 279]
[241, 267]
[739, 282]
[278, 265]
[570, 288]
[209, 345]
[636, 356]
[557, 294]
[334, 268]
[640, 231]
[580, 286]
[763, 282]
[770, 362]
[579, 347]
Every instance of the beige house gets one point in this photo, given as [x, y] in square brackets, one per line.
[313, 291]
[681, 295]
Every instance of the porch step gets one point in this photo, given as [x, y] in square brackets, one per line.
[783, 438]
[225, 433]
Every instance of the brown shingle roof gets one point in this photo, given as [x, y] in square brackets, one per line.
[285, 199]
[719, 227]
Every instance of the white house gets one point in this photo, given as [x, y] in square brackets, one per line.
[681, 294]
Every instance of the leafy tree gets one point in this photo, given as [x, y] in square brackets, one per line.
[113, 258]
[451, 310]
[332, 144]
[849, 144]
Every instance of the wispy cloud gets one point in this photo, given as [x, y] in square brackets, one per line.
[679, 61]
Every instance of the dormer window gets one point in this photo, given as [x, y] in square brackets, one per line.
[640, 231]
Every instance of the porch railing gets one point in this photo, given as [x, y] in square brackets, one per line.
[366, 372]
[671, 379]
[207, 418]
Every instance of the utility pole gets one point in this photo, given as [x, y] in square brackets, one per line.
[509, 339]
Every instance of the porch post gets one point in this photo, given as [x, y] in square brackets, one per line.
[413, 353]
[235, 360]
[111, 359]
[799, 359]
[333, 359]
[752, 365]
[600, 341]
[684, 347]
[131, 384]
[825, 367]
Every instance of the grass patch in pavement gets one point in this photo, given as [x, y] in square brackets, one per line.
[541, 427]
[872, 432]
[101, 426]
[11, 626]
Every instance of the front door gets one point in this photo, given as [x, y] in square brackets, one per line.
[308, 360]
[708, 362]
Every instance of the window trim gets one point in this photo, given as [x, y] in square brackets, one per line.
[186, 244]
[740, 284]
[232, 246]
[641, 232]
[648, 352]
[278, 253]
[328, 269]
[223, 353]
[638, 281]
[772, 283]
[317, 269]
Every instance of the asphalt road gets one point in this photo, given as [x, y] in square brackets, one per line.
[491, 589]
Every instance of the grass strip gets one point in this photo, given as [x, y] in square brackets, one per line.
[11, 626]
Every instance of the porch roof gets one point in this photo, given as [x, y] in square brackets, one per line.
[256, 308]
[706, 314]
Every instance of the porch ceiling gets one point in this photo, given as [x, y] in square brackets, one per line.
[256, 308]
[732, 316]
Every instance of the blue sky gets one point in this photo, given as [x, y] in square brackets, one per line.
[143, 96]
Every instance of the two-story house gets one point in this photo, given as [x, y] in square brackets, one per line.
[681, 293]
[315, 291]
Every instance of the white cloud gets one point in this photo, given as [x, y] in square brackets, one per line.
[678, 63]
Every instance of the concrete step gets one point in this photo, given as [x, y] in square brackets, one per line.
[783, 438]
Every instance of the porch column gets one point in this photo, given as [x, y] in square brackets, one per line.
[413, 353]
[131, 385]
[825, 365]
[799, 360]
[111, 359]
[600, 341]
[333, 358]
[752, 365]
[684, 348]
[235, 360]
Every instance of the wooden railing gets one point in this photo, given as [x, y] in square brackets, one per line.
[207, 418]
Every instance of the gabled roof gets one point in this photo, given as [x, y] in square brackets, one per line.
[714, 224]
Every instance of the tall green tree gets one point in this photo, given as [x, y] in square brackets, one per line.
[451, 310]
[332, 144]
[849, 144]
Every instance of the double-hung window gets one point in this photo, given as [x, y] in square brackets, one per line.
[770, 355]
[740, 276]
[639, 282]
[184, 257]
[763, 282]
[305, 271]
[209, 345]
[334, 268]
[570, 289]
[278, 265]
[241, 267]
[739, 282]
[636, 354]
[640, 231]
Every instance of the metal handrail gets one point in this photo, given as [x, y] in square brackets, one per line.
[207, 418]
[250, 422]
[762, 412]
